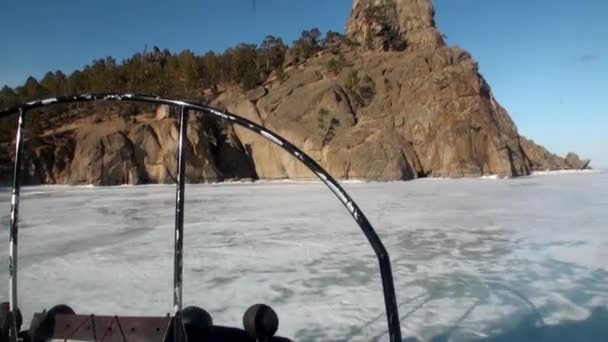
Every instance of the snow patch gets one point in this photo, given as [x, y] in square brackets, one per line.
[564, 172]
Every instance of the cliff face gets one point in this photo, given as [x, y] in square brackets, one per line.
[386, 116]
[143, 150]
[394, 103]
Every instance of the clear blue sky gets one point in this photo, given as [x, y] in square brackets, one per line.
[546, 60]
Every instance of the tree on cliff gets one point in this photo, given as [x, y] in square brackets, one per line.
[273, 51]
[55, 83]
[31, 89]
[243, 65]
[332, 41]
[307, 45]
[8, 97]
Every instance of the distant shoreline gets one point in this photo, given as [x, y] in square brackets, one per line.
[316, 181]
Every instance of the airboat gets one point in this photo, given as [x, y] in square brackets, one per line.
[189, 324]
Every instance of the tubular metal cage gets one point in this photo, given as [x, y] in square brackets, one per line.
[392, 314]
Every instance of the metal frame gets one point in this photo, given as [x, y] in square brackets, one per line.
[392, 314]
[14, 227]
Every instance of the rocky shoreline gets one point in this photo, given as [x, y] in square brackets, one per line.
[392, 102]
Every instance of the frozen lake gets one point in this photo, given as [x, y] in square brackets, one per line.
[474, 259]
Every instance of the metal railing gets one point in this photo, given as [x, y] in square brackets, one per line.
[184, 107]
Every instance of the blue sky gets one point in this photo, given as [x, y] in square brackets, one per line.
[546, 60]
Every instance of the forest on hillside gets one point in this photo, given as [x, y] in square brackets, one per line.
[183, 75]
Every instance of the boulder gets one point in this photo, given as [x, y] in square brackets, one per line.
[256, 93]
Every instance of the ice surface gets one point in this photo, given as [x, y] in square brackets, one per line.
[473, 258]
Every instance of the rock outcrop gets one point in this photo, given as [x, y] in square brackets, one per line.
[541, 159]
[394, 25]
[386, 117]
[573, 161]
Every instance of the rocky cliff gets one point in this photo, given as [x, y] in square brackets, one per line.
[141, 150]
[386, 116]
[392, 103]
